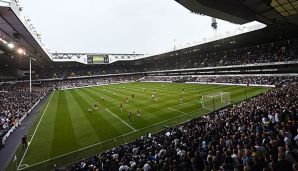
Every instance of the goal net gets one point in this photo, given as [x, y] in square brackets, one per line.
[216, 100]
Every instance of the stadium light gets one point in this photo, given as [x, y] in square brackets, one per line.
[10, 45]
[3, 41]
[20, 51]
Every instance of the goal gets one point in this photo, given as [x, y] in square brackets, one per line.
[215, 100]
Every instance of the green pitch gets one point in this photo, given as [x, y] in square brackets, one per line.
[67, 131]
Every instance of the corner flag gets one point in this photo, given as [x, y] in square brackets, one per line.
[15, 158]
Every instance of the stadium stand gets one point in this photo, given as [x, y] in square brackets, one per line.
[16, 102]
[264, 53]
[281, 51]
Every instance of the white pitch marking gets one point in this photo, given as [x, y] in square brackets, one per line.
[176, 110]
[120, 119]
[36, 129]
[23, 166]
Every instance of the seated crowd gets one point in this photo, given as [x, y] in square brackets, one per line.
[259, 134]
[270, 52]
[15, 102]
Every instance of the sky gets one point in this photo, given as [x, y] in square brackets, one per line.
[118, 26]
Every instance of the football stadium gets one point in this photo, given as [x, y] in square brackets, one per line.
[226, 103]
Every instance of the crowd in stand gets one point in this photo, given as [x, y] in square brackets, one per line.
[263, 53]
[15, 102]
[260, 80]
[255, 135]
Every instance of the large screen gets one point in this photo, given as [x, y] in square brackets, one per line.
[98, 59]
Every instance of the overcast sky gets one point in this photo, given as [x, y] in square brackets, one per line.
[117, 26]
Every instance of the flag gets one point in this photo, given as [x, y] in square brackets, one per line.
[15, 158]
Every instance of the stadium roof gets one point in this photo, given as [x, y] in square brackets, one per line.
[18, 36]
[272, 33]
[241, 11]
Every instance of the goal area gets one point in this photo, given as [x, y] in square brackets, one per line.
[215, 100]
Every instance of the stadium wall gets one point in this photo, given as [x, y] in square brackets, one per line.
[252, 85]
[96, 85]
[213, 83]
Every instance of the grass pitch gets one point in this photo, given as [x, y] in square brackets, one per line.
[66, 131]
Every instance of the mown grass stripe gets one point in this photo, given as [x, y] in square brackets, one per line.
[120, 119]
[63, 131]
[81, 123]
[111, 120]
[97, 122]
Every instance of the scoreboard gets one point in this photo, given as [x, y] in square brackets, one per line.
[97, 59]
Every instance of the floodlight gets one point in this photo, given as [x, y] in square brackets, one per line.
[10, 45]
[21, 51]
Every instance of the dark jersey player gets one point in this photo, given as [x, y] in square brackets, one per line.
[24, 142]
[129, 116]
[181, 99]
[126, 99]
[121, 107]
[138, 113]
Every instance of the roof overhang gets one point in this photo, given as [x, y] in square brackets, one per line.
[241, 11]
[14, 28]
[216, 9]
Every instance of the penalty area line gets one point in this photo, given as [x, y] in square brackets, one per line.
[20, 164]
[120, 119]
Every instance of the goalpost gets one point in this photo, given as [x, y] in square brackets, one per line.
[215, 100]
